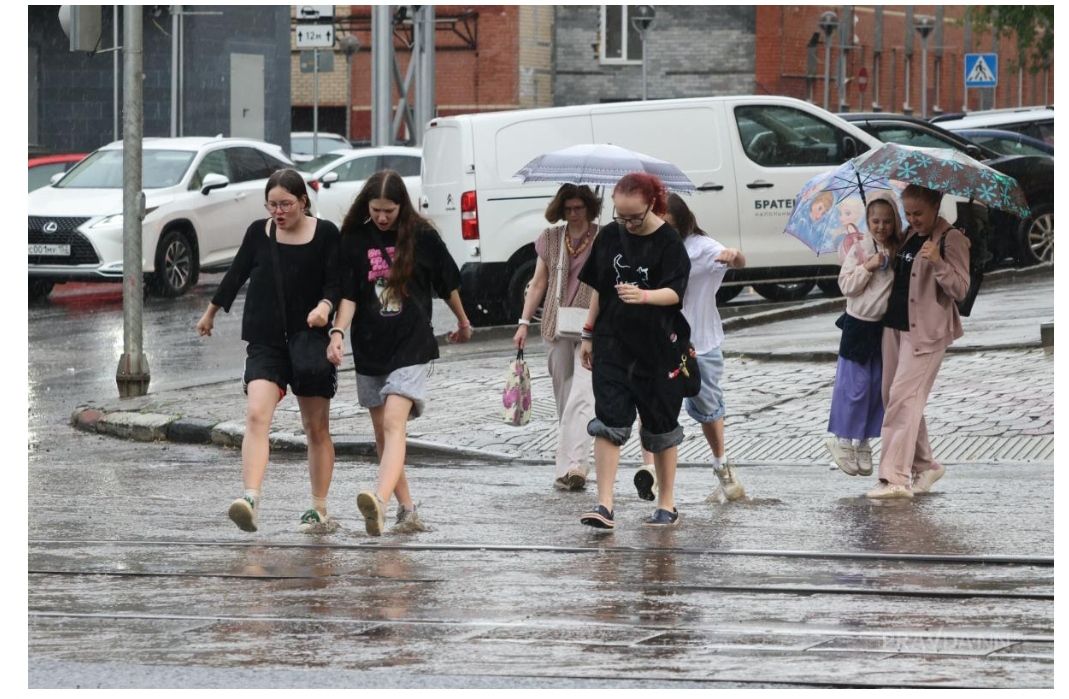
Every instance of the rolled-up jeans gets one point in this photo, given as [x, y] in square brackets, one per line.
[575, 405]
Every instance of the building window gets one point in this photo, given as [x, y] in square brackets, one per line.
[620, 43]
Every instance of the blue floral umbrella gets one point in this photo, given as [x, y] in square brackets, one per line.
[831, 206]
[945, 170]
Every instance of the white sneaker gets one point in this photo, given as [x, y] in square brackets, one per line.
[408, 522]
[923, 481]
[243, 513]
[729, 489]
[845, 455]
[864, 459]
[374, 512]
[889, 491]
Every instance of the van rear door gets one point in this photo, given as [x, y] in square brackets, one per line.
[693, 139]
[447, 173]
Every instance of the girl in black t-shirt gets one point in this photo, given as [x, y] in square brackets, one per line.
[307, 250]
[638, 269]
[392, 262]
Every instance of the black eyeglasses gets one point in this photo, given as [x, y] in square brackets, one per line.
[624, 220]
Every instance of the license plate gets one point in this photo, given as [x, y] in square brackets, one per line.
[51, 250]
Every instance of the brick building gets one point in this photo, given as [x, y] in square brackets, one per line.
[492, 57]
[488, 58]
[790, 59]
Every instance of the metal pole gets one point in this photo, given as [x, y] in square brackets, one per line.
[1020, 83]
[132, 375]
[181, 72]
[115, 73]
[174, 72]
[642, 37]
[349, 96]
[909, 69]
[315, 103]
[381, 60]
[827, 69]
[924, 77]
[425, 84]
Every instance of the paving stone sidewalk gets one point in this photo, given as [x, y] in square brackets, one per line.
[993, 401]
[995, 406]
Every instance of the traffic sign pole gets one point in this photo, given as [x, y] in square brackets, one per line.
[315, 104]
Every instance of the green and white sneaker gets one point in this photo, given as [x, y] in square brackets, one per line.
[312, 522]
[243, 513]
[408, 522]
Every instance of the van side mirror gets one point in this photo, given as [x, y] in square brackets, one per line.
[974, 151]
[329, 179]
[213, 181]
[850, 149]
[56, 177]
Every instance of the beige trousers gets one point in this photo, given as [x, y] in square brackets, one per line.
[575, 405]
[907, 381]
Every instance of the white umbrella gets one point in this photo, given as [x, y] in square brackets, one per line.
[601, 164]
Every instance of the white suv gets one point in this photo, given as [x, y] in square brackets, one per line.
[200, 196]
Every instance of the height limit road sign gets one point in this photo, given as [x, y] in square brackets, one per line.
[981, 70]
[315, 36]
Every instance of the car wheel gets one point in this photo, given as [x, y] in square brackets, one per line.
[830, 287]
[787, 291]
[518, 288]
[40, 289]
[177, 266]
[726, 293]
[1037, 236]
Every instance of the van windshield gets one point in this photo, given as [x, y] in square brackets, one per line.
[103, 170]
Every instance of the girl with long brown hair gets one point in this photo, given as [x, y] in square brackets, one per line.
[392, 262]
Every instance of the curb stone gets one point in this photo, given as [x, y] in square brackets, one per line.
[190, 431]
[140, 427]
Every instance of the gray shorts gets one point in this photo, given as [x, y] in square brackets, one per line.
[409, 382]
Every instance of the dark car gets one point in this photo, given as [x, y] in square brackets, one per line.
[1029, 241]
[1007, 142]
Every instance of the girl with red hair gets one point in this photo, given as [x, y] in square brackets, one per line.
[638, 269]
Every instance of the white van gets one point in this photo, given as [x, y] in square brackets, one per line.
[748, 156]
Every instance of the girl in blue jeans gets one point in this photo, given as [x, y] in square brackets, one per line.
[709, 262]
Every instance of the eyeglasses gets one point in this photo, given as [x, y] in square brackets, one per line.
[624, 220]
[283, 206]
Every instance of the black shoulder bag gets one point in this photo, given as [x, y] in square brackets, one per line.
[307, 348]
[683, 363]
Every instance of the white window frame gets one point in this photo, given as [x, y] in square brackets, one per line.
[625, 30]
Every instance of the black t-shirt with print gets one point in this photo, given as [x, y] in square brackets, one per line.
[897, 315]
[390, 333]
[635, 333]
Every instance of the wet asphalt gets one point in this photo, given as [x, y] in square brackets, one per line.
[136, 577]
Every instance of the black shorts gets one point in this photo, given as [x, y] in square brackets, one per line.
[621, 390]
[272, 363]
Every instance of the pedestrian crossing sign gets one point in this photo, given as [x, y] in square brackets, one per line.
[981, 70]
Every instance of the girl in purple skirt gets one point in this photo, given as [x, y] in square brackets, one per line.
[865, 278]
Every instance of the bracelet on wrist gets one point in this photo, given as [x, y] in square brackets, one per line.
[523, 321]
[329, 303]
[337, 330]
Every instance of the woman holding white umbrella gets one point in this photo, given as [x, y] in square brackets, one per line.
[562, 252]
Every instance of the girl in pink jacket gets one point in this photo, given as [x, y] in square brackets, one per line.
[931, 274]
[866, 277]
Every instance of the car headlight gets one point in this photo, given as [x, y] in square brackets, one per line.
[108, 221]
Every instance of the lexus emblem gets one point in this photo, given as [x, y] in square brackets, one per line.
[51, 227]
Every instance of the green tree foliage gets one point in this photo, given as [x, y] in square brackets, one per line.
[1033, 26]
